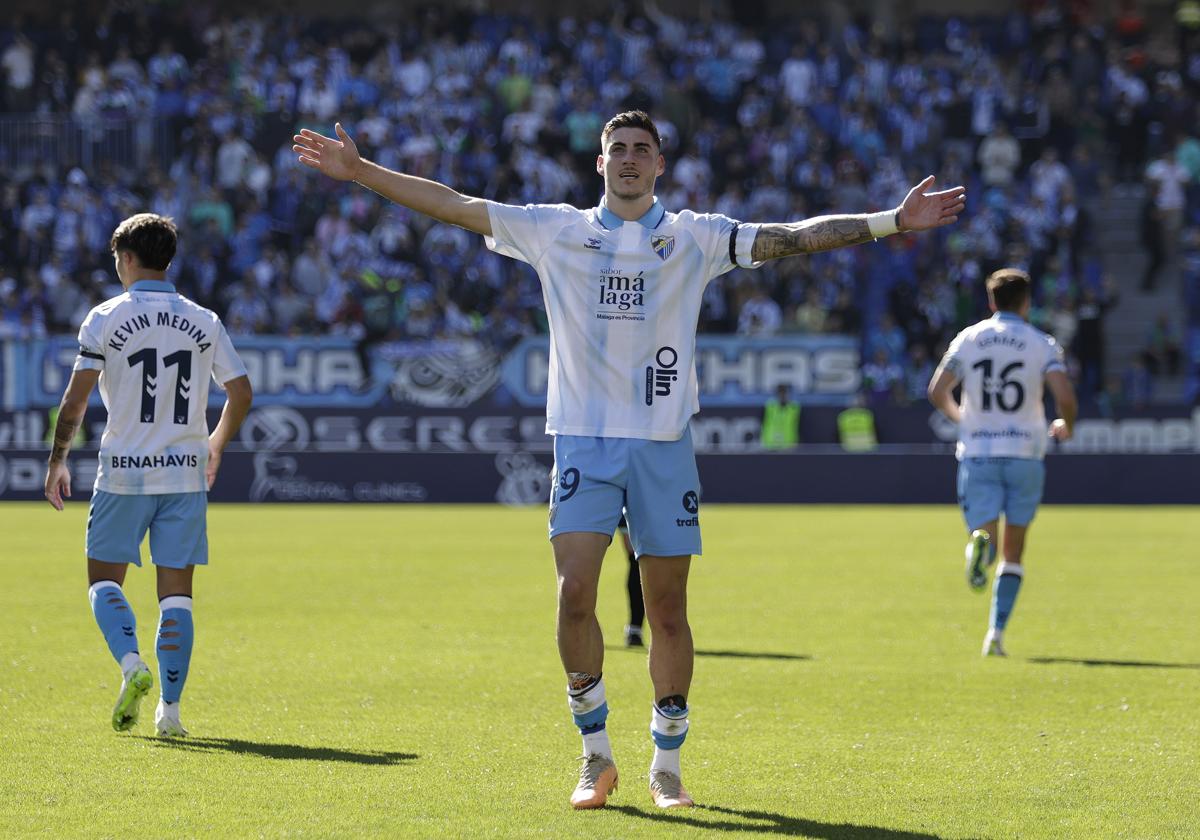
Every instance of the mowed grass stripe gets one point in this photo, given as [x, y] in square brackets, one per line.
[391, 671]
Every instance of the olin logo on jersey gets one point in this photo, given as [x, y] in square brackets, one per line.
[660, 377]
[622, 297]
[152, 462]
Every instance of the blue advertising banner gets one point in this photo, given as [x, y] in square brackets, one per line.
[731, 371]
[326, 372]
[486, 428]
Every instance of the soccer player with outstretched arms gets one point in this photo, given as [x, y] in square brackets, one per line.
[622, 285]
[152, 352]
[1002, 363]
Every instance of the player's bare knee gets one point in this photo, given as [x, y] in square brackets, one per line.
[667, 613]
[576, 598]
[669, 626]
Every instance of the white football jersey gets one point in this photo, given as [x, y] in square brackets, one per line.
[155, 351]
[622, 300]
[1002, 364]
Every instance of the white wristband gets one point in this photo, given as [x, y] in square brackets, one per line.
[884, 223]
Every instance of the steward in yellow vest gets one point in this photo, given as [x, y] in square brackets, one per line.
[781, 421]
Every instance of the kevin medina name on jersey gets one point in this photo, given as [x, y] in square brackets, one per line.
[122, 333]
[153, 462]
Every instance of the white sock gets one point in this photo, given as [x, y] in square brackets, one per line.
[590, 708]
[130, 661]
[596, 743]
[666, 760]
[663, 726]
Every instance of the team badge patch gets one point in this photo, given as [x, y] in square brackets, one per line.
[662, 245]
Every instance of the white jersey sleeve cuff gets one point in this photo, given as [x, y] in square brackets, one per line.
[88, 363]
[742, 244]
[235, 375]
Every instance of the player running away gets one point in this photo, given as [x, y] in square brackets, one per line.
[622, 285]
[1002, 363]
[152, 352]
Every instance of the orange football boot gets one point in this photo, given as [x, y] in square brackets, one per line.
[597, 779]
[667, 790]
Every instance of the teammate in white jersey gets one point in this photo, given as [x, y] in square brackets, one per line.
[622, 285]
[1002, 363]
[152, 352]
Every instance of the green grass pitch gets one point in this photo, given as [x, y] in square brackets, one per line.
[391, 672]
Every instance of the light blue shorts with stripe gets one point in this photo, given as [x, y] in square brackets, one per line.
[988, 487]
[654, 482]
[177, 523]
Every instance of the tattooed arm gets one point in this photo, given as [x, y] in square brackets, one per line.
[70, 415]
[919, 211]
[820, 233]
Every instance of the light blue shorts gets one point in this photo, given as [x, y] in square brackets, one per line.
[117, 524]
[988, 487]
[654, 482]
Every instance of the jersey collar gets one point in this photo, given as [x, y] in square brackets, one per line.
[1007, 316]
[651, 219]
[151, 286]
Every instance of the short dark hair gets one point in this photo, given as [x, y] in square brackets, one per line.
[149, 237]
[631, 119]
[1008, 289]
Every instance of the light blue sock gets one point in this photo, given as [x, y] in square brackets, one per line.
[1004, 593]
[174, 645]
[115, 618]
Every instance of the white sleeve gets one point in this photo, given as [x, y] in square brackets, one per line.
[954, 360]
[525, 232]
[1054, 356]
[91, 343]
[726, 242]
[227, 364]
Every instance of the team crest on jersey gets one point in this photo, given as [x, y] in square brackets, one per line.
[663, 246]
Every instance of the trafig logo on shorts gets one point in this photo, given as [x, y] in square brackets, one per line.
[661, 374]
[691, 503]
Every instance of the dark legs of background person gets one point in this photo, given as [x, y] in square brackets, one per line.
[637, 605]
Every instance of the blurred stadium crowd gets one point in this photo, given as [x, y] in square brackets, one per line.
[1038, 114]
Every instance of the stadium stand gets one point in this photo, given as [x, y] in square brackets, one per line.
[1075, 137]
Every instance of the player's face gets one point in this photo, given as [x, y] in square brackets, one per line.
[630, 163]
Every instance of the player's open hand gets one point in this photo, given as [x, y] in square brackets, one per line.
[1060, 431]
[58, 484]
[923, 210]
[338, 158]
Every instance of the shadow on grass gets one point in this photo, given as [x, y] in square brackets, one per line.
[1115, 663]
[765, 822]
[749, 654]
[284, 751]
[729, 654]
